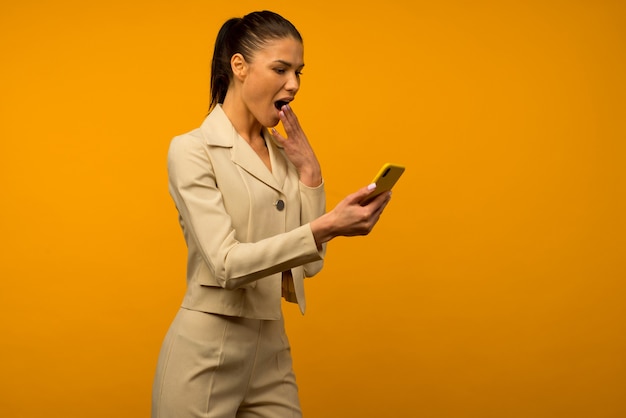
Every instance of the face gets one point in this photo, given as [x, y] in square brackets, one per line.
[272, 79]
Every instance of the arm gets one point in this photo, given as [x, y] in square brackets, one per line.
[209, 229]
[349, 217]
[313, 203]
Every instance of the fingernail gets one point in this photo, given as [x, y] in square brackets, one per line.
[371, 187]
[274, 131]
[287, 106]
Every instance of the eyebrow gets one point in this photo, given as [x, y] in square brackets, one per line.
[287, 63]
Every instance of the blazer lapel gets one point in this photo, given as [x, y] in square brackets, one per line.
[219, 131]
[279, 162]
[244, 156]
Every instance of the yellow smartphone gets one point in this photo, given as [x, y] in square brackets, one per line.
[385, 180]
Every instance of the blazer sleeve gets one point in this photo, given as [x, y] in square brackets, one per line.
[208, 227]
[313, 200]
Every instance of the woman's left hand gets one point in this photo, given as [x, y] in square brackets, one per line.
[298, 149]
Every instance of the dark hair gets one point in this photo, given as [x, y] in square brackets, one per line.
[244, 36]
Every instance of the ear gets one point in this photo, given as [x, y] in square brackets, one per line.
[239, 66]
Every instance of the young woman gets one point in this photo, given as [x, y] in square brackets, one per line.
[252, 210]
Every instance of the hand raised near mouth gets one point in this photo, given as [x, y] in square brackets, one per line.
[297, 148]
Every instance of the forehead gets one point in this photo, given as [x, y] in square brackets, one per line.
[284, 49]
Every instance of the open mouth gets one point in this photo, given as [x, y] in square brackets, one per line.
[280, 103]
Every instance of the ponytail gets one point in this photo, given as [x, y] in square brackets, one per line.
[244, 36]
[221, 72]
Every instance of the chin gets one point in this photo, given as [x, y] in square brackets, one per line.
[271, 122]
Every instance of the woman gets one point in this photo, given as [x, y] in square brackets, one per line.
[252, 209]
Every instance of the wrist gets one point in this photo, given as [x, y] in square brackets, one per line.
[311, 177]
[322, 229]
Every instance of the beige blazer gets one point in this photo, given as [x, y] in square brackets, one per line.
[244, 225]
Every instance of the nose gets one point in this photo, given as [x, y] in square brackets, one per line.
[293, 83]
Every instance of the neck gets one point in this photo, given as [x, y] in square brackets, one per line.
[246, 125]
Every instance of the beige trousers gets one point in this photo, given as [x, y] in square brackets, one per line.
[215, 366]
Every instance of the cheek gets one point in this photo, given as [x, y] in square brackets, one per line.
[260, 87]
[257, 101]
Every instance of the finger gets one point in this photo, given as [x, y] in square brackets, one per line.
[383, 201]
[376, 201]
[289, 120]
[362, 193]
[279, 138]
[290, 115]
[377, 206]
[285, 120]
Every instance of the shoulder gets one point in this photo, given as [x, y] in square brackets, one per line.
[186, 145]
[215, 130]
[188, 158]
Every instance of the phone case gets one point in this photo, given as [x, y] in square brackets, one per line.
[385, 179]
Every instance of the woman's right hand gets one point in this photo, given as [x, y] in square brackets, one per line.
[297, 148]
[349, 217]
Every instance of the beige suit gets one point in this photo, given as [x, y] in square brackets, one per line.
[249, 242]
[243, 224]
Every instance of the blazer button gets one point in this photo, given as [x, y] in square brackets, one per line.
[280, 204]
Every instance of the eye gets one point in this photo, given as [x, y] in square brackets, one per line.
[298, 73]
[279, 70]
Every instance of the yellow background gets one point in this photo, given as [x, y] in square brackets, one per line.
[494, 285]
